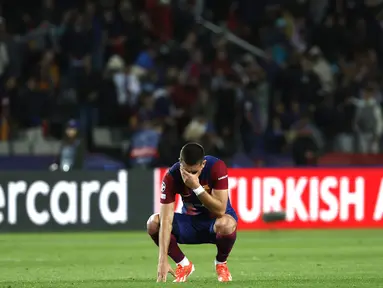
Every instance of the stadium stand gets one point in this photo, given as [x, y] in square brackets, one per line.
[254, 81]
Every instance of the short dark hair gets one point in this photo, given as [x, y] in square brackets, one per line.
[192, 154]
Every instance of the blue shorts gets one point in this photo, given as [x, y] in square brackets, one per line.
[199, 229]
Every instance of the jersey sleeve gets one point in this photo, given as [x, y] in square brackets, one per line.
[219, 176]
[168, 191]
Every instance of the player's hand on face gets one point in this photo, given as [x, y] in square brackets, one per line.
[190, 180]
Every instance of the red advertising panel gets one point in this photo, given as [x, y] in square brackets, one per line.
[311, 198]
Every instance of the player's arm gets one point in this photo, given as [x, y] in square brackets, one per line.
[166, 225]
[215, 202]
[166, 215]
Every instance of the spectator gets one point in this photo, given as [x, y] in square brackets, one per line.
[188, 45]
[184, 97]
[262, 100]
[279, 43]
[283, 117]
[114, 34]
[322, 69]
[97, 36]
[195, 68]
[205, 105]
[33, 104]
[134, 30]
[368, 122]
[108, 109]
[249, 126]
[226, 144]
[4, 121]
[160, 14]
[308, 84]
[13, 107]
[169, 146]
[307, 142]
[78, 48]
[345, 140]
[4, 54]
[162, 101]
[72, 152]
[144, 144]
[49, 73]
[189, 88]
[227, 105]
[324, 117]
[49, 13]
[294, 114]
[127, 83]
[221, 62]
[120, 92]
[326, 36]
[275, 138]
[196, 130]
[87, 99]
[145, 59]
[146, 110]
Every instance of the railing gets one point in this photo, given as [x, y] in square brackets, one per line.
[231, 37]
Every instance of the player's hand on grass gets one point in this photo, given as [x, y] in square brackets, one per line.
[163, 270]
[190, 180]
[171, 271]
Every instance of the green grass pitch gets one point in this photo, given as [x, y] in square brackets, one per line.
[259, 259]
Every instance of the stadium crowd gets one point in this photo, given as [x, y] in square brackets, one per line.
[149, 71]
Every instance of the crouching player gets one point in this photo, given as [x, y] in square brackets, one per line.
[207, 215]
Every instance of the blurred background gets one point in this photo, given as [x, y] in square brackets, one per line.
[114, 84]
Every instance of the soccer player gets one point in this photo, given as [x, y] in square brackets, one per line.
[207, 215]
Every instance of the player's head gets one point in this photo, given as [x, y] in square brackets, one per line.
[71, 128]
[192, 158]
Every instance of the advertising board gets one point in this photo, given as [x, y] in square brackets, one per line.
[76, 200]
[311, 198]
